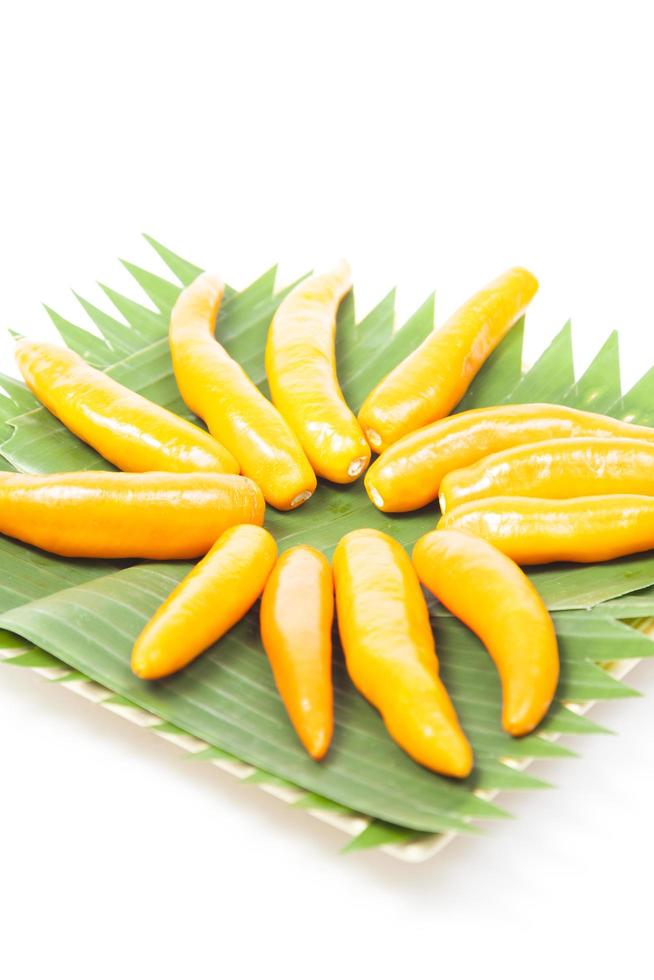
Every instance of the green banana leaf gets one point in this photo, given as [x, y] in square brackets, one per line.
[86, 614]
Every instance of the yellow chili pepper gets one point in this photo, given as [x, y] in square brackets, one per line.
[217, 389]
[301, 369]
[130, 431]
[408, 474]
[212, 598]
[559, 468]
[390, 651]
[533, 531]
[297, 611]
[428, 383]
[126, 515]
[495, 599]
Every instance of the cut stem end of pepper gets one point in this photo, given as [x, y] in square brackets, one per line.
[374, 439]
[357, 466]
[376, 497]
[300, 499]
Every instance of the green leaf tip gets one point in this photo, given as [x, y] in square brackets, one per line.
[185, 271]
[380, 834]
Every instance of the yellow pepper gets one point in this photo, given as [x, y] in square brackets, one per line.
[130, 431]
[390, 652]
[533, 531]
[495, 599]
[126, 515]
[559, 468]
[217, 389]
[212, 598]
[301, 369]
[431, 381]
[297, 611]
[408, 474]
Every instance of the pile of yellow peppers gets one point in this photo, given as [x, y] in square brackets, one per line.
[516, 484]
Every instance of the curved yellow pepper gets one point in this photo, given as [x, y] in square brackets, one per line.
[431, 381]
[559, 468]
[408, 474]
[301, 369]
[390, 652]
[217, 389]
[495, 599]
[212, 598]
[130, 431]
[533, 531]
[126, 515]
[297, 612]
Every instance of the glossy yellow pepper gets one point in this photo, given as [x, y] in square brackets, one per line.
[390, 652]
[126, 515]
[212, 598]
[217, 389]
[297, 612]
[301, 369]
[489, 593]
[431, 381]
[559, 468]
[408, 474]
[533, 531]
[130, 431]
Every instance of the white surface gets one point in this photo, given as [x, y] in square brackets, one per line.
[433, 144]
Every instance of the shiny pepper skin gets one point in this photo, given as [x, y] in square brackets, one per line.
[126, 515]
[301, 370]
[534, 531]
[297, 612]
[127, 429]
[431, 381]
[408, 474]
[560, 468]
[495, 599]
[218, 390]
[390, 652]
[212, 598]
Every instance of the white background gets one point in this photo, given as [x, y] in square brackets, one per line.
[433, 144]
